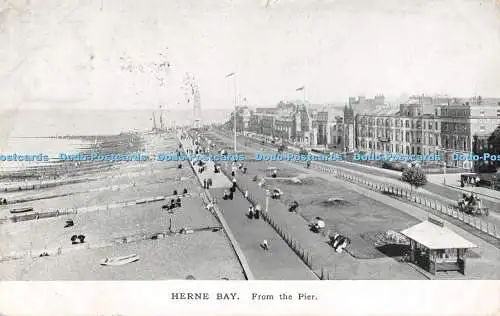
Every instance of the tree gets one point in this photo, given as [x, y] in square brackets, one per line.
[415, 176]
[494, 142]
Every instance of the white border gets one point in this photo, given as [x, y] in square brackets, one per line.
[334, 298]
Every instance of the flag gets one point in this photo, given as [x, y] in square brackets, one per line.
[230, 75]
[300, 89]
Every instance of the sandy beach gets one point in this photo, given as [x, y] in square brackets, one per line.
[105, 225]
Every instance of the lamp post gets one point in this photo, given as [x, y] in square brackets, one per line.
[303, 89]
[267, 199]
[444, 164]
[233, 75]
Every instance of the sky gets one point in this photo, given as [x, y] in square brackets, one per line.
[72, 53]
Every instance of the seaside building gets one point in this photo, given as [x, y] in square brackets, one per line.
[337, 133]
[376, 129]
[464, 119]
[288, 121]
[349, 128]
[262, 121]
[361, 103]
[423, 125]
[244, 113]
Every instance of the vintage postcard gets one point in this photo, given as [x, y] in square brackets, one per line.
[147, 146]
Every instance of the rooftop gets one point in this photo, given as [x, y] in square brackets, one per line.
[434, 236]
[383, 111]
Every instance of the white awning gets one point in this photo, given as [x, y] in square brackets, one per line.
[434, 236]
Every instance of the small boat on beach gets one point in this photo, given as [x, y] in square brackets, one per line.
[119, 261]
[21, 210]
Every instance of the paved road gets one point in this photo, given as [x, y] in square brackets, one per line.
[486, 267]
[430, 189]
[343, 266]
[280, 262]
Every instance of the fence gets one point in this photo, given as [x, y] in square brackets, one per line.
[56, 251]
[73, 211]
[443, 208]
[256, 196]
[218, 215]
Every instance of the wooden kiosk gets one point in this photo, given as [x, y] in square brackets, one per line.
[435, 247]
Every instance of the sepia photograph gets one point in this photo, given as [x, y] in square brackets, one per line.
[260, 140]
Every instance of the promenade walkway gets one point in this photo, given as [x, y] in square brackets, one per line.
[279, 262]
[478, 268]
[343, 266]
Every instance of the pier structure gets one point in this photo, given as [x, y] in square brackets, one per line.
[193, 98]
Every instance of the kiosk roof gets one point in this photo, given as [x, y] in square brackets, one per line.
[434, 236]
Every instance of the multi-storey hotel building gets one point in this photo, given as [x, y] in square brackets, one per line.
[464, 120]
[427, 125]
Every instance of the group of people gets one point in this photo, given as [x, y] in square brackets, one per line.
[469, 200]
[469, 181]
[3, 201]
[174, 203]
[201, 166]
[237, 166]
[317, 225]
[229, 195]
[254, 212]
[207, 183]
[294, 207]
[339, 242]
[184, 192]
[77, 239]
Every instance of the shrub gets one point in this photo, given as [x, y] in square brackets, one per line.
[415, 176]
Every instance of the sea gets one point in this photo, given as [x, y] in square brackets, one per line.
[23, 131]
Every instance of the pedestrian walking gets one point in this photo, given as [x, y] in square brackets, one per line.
[250, 212]
[265, 245]
[205, 186]
[246, 194]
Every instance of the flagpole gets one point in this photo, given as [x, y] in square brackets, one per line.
[235, 109]
[235, 105]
